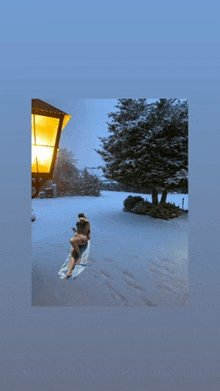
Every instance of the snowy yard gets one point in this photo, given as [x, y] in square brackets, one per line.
[134, 260]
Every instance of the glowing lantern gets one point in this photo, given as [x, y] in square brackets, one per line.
[47, 122]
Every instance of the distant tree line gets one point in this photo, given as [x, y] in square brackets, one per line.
[116, 186]
[70, 181]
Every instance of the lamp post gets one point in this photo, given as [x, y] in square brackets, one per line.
[47, 122]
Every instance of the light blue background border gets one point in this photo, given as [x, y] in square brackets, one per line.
[110, 348]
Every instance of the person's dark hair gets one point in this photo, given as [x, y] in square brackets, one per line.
[81, 216]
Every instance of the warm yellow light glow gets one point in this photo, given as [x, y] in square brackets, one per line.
[43, 139]
[41, 159]
[66, 120]
[44, 130]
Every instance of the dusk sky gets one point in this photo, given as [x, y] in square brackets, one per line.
[88, 122]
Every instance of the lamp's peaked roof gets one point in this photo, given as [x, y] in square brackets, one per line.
[45, 107]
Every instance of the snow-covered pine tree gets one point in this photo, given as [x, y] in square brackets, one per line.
[148, 145]
[121, 147]
[174, 143]
[165, 157]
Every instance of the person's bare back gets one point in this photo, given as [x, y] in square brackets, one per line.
[83, 228]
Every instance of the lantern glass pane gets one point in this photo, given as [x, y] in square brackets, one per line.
[44, 130]
[66, 120]
[41, 159]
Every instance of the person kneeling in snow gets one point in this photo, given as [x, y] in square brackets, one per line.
[82, 235]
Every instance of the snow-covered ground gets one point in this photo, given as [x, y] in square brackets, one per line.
[134, 260]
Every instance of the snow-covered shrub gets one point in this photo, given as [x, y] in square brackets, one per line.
[142, 207]
[130, 202]
[164, 211]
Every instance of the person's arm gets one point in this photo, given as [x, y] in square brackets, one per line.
[75, 229]
[71, 240]
[88, 231]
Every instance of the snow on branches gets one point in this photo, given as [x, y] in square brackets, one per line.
[148, 144]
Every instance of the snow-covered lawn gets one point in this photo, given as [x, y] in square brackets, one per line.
[134, 260]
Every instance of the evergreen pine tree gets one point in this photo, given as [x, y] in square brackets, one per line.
[148, 145]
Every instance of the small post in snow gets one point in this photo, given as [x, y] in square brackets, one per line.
[54, 188]
[182, 203]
